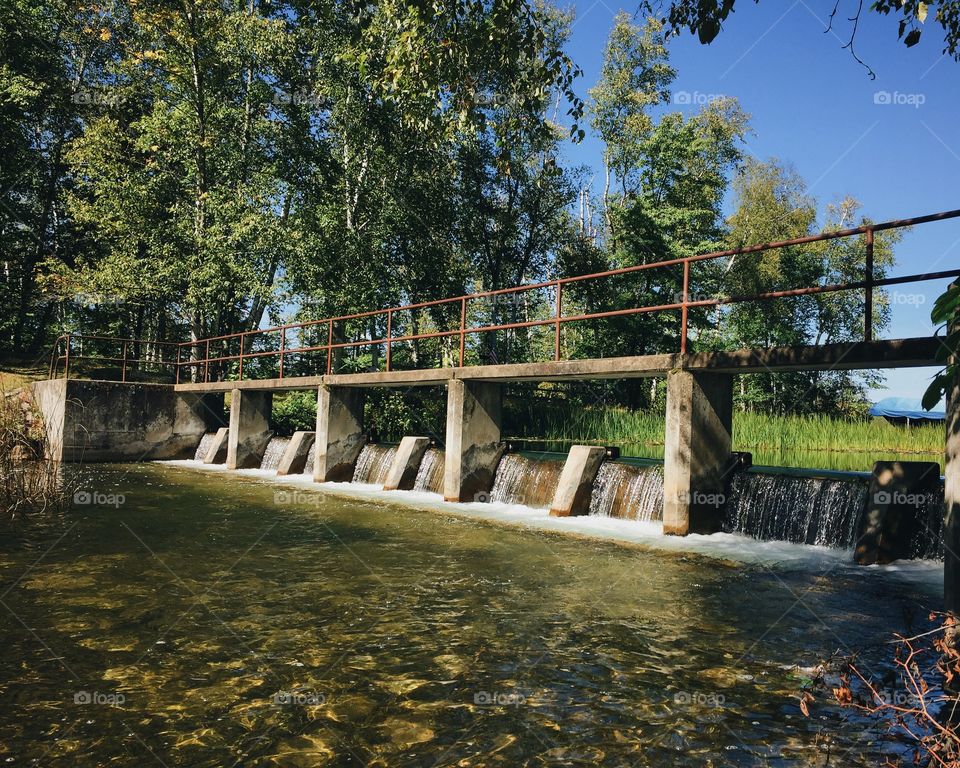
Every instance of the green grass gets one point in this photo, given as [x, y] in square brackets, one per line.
[751, 431]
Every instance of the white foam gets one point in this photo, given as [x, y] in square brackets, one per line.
[728, 546]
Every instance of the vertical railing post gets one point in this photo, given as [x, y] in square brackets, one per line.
[177, 365]
[206, 364]
[66, 357]
[684, 308]
[123, 371]
[558, 314]
[389, 335]
[868, 290]
[463, 327]
[283, 348]
[329, 347]
[242, 340]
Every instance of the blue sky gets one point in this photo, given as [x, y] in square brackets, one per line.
[812, 105]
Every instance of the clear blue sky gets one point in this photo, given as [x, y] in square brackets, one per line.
[814, 106]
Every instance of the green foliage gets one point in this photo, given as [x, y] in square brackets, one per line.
[293, 412]
[946, 316]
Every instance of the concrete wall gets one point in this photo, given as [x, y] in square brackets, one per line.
[697, 451]
[217, 452]
[473, 448]
[340, 436]
[249, 428]
[294, 459]
[98, 421]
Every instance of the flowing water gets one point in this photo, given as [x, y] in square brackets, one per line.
[524, 480]
[198, 619]
[311, 455]
[803, 510]
[205, 442]
[275, 450]
[430, 474]
[628, 492]
[373, 464]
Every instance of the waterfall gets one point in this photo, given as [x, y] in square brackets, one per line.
[803, 510]
[311, 455]
[205, 442]
[275, 450]
[430, 474]
[625, 491]
[927, 540]
[374, 463]
[531, 482]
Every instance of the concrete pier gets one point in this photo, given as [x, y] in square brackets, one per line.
[217, 453]
[249, 428]
[340, 436]
[473, 449]
[406, 462]
[576, 481]
[294, 459]
[697, 451]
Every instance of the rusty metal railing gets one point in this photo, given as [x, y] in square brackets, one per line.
[69, 348]
[196, 355]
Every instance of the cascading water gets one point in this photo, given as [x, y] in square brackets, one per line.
[275, 450]
[531, 482]
[628, 492]
[927, 540]
[373, 464]
[308, 466]
[802, 510]
[430, 474]
[205, 442]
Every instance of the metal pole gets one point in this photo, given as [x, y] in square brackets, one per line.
[283, 347]
[463, 325]
[206, 364]
[177, 365]
[242, 340]
[329, 347]
[558, 314]
[66, 360]
[868, 291]
[123, 371]
[389, 335]
[684, 309]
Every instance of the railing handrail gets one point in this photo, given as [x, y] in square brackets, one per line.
[682, 302]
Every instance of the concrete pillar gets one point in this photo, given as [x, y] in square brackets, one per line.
[340, 436]
[217, 452]
[473, 446]
[406, 462]
[951, 499]
[249, 428]
[697, 451]
[899, 492]
[576, 481]
[294, 459]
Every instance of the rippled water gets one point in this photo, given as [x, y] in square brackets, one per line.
[210, 619]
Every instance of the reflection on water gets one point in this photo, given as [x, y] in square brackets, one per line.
[207, 620]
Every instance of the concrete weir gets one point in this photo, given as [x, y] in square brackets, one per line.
[406, 462]
[339, 436]
[473, 448]
[576, 481]
[294, 459]
[249, 428]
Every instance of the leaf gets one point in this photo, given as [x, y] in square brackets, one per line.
[946, 305]
[922, 12]
[935, 391]
[912, 38]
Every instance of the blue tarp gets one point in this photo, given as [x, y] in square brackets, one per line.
[904, 408]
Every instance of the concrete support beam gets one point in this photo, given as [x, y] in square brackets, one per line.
[294, 459]
[473, 449]
[899, 492]
[406, 462]
[217, 452]
[249, 428]
[697, 451]
[576, 480]
[340, 436]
